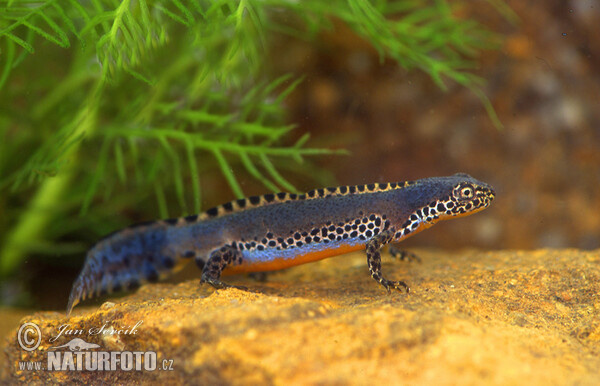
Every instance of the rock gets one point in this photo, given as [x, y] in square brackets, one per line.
[471, 317]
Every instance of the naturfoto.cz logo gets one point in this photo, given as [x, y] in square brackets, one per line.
[78, 355]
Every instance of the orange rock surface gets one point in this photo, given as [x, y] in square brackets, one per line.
[505, 317]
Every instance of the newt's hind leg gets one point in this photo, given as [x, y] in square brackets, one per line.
[218, 260]
[401, 254]
[374, 261]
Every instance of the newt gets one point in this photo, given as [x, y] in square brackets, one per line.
[278, 230]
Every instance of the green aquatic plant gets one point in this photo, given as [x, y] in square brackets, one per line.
[111, 103]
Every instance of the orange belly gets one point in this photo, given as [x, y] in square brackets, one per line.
[275, 264]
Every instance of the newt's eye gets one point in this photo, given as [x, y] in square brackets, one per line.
[466, 192]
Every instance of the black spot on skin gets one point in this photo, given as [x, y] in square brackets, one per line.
[368, 233]
[264, 241]
[372, 217]
[228, 206]
[290, 241]
[260, 247]
[426, 211]
[355, 226]
[253, 244]
[343, 189]
[468, 206]
[191, 218]
[241, 247]
[308, 239]
[302, 197]
[362, 237]
[314, 231]
[269, 197]
[414, 225]
[362, 228]
[365, 220]
[284, 245]
[339, 238]
[345, 236]
[171, 221]
[213, 211]
[340, 224]
[316, 239]
[150, 273]
[376, 231]
[371, 187]
[331, 236]
[269, 235]
[280, 240]
[241, 202]
[348, 228]
[189, 254]
[360, 188]
[304, 234]
[339, 231]
[321, 192]
[133, 284]
[272, 243]
[254, 200]
[311, 194]
[324, 232]
[441, 207]
[476, 202]
[352, 189]
[331, 228]
[406, 224]
[281, 195]
[248, 246]
[331, 189]
[297, 236]
[393, 185]
[168, 262]
[298, 243]
[378, 221]
[293, 196]
[414, 217]
[371, 225]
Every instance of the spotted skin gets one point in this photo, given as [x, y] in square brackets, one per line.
[275, 231]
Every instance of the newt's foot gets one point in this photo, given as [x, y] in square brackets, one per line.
[218, 284]
[401, 254]
[399, 285]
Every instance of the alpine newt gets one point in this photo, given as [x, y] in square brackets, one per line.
[276, 231]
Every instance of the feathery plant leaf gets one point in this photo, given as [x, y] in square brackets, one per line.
[135, 101]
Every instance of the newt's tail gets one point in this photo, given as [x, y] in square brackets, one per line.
[125, 260]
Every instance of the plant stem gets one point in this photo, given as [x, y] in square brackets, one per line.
[42, 208]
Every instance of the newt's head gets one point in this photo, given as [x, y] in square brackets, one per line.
[469, 196]
[464, 196]
[441, 198]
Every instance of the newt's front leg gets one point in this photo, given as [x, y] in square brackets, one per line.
[374, 261]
